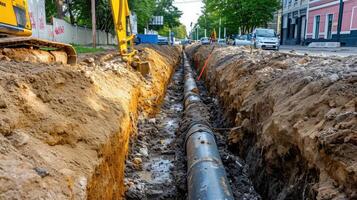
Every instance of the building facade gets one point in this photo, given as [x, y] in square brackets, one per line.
[294, 21]
[323, 20]
[276, 22]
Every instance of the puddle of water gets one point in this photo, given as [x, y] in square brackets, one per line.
[166, 142]
[178, 107]
[170, 126]
[157, 171]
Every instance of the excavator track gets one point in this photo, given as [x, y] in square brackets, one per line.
[56, 52]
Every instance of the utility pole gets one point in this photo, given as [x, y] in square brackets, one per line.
[220, 22]
[225, 33]
[339, 25]
[205, 32]
[197, 33]
[94, 28]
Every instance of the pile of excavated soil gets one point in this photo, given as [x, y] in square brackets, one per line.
[295, 119]
[64, 130]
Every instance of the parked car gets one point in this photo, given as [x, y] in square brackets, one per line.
[222, 42]
[205, 41]
[265, 39]
[184, 42]
[163, 40]
[177, 42]
[243, 40]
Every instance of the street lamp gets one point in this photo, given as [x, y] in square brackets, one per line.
[197, 32]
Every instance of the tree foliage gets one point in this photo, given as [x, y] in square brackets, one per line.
[179, 31]
[243, 15]
[144, 9]
[79, 12]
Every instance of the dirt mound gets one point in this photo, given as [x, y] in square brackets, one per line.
[296, 117]
[65, 129]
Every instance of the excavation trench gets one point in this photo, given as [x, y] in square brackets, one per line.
[157, 164]
[150, 168]
[291, 118]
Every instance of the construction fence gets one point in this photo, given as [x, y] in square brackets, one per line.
[60, 30]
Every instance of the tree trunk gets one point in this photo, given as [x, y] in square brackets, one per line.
[71, 16]
[59, 7]
[94, 28]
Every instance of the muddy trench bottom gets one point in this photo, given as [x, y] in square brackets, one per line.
[150, 168]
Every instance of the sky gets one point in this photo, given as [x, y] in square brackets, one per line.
[191, 11]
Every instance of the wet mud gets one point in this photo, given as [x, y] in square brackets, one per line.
[151, 168]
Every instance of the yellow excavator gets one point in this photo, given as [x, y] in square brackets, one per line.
[16, 41]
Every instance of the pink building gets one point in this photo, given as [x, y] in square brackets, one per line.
[322, 22]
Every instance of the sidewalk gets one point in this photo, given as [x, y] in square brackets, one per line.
[325, 52]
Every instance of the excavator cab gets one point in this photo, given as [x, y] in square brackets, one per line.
[121, 17]
[14, 18]
[16, 41]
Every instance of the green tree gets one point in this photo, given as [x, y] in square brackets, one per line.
[244, 15]
[79, 12]
[170, 13]
[144, 9]
[179, 31]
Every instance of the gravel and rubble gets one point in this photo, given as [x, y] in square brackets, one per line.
[295, 118]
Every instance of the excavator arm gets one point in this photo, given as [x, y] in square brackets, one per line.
[121, 13]
[121, 17]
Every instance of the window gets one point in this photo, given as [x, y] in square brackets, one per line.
[329, 26]
[265, 33]
[317, 27]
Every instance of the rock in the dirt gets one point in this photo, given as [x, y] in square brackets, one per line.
[4, 58]
[134, 193]
[89, 60]
[19, 138]
[137, 163]
[41, 172]
[144, 151]
[152, 121]
[3, 104]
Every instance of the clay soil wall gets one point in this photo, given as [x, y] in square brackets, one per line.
[64, 130]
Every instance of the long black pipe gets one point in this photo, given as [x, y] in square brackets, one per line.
[206, 176]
